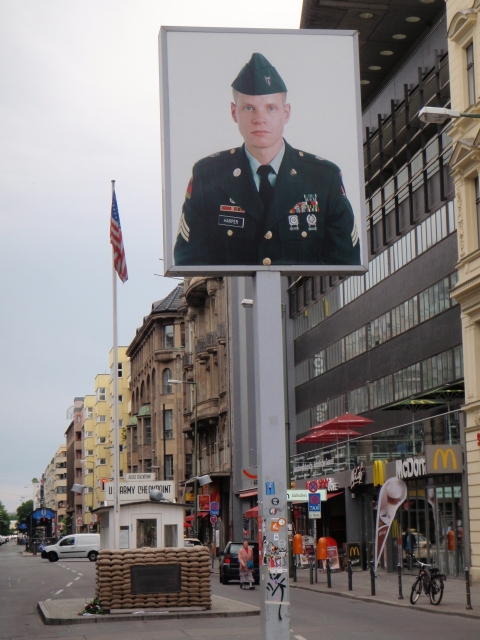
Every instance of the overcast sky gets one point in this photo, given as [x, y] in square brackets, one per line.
[79, 106]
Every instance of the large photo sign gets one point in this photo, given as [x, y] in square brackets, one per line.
[261, 152]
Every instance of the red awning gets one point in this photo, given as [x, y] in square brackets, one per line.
[334, 495]
[249, 493]
[200, 514]
[252, 513]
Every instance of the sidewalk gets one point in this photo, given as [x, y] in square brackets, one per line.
[454, 599]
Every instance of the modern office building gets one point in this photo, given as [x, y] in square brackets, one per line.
[388, 344]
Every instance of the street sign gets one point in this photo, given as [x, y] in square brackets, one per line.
[214, 508]
[314, 506]
[79, 522]
[139, 490]
[312, 486]
[213, 519]
[93, 517]
[301, 495]
[129, 477]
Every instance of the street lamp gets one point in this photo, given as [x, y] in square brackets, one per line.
[195, 448]
[437, 115]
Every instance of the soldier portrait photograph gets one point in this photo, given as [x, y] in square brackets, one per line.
[264, 201]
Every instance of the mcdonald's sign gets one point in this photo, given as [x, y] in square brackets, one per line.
[354, 553]
[444, 458]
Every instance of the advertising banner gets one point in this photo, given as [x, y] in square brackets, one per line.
[203, 503]
[260, 170]
[391, 496]
[139, 490]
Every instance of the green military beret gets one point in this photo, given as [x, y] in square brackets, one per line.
[258, 78]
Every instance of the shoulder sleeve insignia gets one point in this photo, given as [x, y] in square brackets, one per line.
[354, 235]
[188, 193]
[183, 228]
[342, 189]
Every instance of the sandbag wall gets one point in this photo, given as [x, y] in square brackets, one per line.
[113, 583]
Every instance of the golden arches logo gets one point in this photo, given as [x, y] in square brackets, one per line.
[354, 551]
[444, 454]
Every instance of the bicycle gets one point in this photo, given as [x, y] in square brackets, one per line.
[431, 582]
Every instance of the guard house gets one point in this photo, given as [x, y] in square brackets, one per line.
[143, 524]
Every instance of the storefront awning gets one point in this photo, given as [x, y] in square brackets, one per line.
[200, 514]
[334, 495]
[252, 513]
[249, 493]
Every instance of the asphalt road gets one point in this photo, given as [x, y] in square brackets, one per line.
[26, 580]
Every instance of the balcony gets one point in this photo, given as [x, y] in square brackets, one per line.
[221, 333]
[195, 290]
[211, 342]
[201, 351]
[188, 361]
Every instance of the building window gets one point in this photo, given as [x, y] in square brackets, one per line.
[121, 473]
[167, 375]
[168, 336]
[89, 452]
[120, 398]
[135, 439]
[101, 394]
[89, 412]
[470, 74]
[102, 440]
[120, 370]
[101, 461]
[188, 465]
[169, 467]
[168, 417]
[89, 434]
[147, 465]
[101, 419]
[148, 430]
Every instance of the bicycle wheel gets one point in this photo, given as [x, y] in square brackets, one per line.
[436, 590]
[416, 590]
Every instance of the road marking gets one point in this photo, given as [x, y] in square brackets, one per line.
[59, 591]
[77, 578]
[80, 574]
[69, 584]
[48, 600]
[299, 637]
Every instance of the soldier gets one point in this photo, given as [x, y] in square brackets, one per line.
[265, 203]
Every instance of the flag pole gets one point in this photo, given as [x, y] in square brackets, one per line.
[116, 454]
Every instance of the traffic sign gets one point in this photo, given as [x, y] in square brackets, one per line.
[213, 519]
[214, 508]
[314, 506]
[79, 522]
[312, 486]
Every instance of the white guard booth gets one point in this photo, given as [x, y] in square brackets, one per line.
[143, 524]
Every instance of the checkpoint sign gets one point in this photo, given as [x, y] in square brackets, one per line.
[314, 506]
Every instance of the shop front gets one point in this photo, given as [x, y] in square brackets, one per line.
[430, 522]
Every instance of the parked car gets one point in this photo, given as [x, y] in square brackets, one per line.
[230, 566]
[420, 546]
[192, 542]
[80, 545]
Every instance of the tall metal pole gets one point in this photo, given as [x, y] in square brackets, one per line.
[116, 452]
[271, 452]
[164, 447]
[195, 465]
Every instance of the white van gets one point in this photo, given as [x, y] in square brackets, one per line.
[79, 545]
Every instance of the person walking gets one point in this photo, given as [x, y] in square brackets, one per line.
[245, 558]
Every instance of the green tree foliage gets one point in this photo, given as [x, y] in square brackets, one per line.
[24, 510]
[4, 521]
[34, 480]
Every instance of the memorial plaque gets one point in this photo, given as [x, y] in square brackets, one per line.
[155, 578]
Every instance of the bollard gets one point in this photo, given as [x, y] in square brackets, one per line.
[316, 570]
[467, 585]
[400, 592]
[294, 569]
[311, 571]
[350, 575]
[34, 548]
[372, 579]
[329, 574]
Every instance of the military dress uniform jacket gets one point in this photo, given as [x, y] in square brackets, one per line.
[223, 222]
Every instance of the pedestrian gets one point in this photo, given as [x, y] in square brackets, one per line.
[245, 558]
[265, 203]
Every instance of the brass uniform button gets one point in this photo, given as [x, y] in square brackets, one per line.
[267, 262]
[293, 172]
[229, 232]
[304, 234]
[237, 172]
[232, 150]
[300, 153]
[268, 235]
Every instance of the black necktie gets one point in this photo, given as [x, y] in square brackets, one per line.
[266, 189]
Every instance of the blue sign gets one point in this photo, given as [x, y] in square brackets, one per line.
[214, 508]
[38, 514]
[270, 488]
[314, 503]
[22, 527]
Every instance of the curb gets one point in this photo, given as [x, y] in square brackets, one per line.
[407, 605]
[49, 620]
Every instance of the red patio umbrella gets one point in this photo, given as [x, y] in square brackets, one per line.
[328, 435]
[347, 420]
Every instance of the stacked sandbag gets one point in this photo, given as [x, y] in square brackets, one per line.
[113, 579]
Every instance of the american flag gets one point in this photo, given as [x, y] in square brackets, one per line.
[116, 240]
